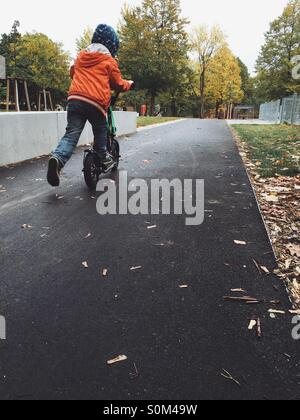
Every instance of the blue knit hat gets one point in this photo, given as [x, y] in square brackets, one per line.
[107, 36]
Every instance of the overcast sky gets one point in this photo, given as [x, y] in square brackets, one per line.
[244, 22]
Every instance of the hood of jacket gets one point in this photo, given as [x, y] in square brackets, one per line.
[92, 55]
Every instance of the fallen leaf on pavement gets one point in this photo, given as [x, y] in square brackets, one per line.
[265, 270]
[274, 311]
[252, 324]
[257, 265]
[25, 226]
[118, 359]
[228, 376]
[294, 312]
[241, 298]
[238, 291]
[259, 332]
[240, 242]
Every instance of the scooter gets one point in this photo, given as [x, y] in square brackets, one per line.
[92, 167]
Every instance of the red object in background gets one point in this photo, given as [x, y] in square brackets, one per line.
[143, 110]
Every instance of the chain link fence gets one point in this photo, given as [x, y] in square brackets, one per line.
[282, 111]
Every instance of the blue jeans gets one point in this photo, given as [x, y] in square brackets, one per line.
[79, 113]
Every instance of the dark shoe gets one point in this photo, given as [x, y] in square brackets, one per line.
[107, 163]
[54, 168]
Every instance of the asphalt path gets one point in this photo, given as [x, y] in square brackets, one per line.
[65, 321]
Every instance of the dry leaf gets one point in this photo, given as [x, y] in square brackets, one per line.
[252, 324]
[274, 311]
[25, 226]
[259, 332]
[241, 298]
[264, 269]
[228, 376]
[294, 250]
[271, 199]
[238, 291]
[118, 359]
[257, 266]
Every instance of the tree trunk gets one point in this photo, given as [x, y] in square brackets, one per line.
[174, 108]
[152, 104]
[217, 109]
[202, 92]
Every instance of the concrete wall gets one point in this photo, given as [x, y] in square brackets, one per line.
[26, 135]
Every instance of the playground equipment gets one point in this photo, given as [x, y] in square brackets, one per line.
[17, 97]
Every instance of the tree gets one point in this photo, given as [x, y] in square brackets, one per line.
[154, 45]
[274, 65]
[178, 101]
[85, 40]
[43, 62]
[224, 82]
[247, 83]
[206, 43]
[8, 49]
[35, 58]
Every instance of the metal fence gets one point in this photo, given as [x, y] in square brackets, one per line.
[282, 111]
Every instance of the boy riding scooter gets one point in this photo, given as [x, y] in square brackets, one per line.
[94, 74]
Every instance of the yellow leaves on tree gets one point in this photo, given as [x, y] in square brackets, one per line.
[224, 82]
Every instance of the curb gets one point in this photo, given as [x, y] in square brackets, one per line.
[150, 127]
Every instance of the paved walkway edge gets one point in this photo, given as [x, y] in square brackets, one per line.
[149, 127]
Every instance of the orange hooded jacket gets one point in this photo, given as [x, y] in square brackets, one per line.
[94, 75]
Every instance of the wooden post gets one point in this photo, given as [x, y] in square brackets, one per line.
[7, 94]
[50, 101]
[17, 105]
[45, 99]
[27, 96]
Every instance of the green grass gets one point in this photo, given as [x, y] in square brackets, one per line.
[275, 149]
[145, 121]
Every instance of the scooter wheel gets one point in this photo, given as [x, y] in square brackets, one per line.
[91, 171]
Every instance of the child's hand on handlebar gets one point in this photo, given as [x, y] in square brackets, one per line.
[132, 84]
